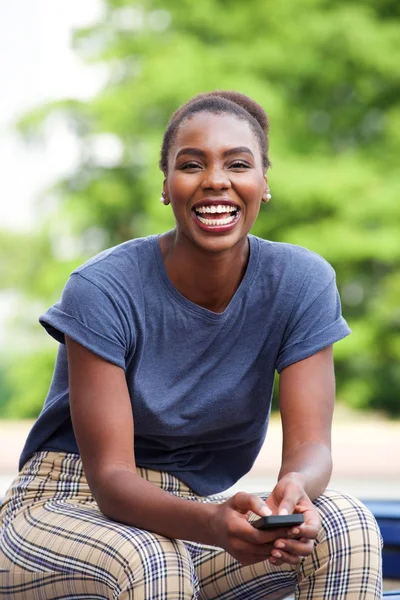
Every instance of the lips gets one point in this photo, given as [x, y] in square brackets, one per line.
[216, 215]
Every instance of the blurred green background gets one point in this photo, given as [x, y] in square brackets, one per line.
[328, 76]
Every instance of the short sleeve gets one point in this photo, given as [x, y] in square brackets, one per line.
[91, 317]
[316, 320]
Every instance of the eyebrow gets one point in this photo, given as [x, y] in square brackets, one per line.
[229, 152]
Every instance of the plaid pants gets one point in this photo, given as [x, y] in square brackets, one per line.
[56, 544]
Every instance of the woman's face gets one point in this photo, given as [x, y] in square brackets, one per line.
[215, 180]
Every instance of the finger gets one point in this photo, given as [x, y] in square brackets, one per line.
[290, 499]
[277, 562]
[311, 516]
[258, 536]
[304, 531]
[297, 547]
[311, 526]
[285, 557]
[244, 502]
[309, 529]
[245, 549]
[238, 527]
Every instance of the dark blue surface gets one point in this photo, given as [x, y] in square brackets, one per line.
[389, 509]
[387, 514]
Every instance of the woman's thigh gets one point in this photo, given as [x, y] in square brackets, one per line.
[64, 549]
[55, 542]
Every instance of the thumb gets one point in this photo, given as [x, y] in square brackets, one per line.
[289, 501]
[244, 502]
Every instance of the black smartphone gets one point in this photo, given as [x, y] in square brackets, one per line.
[274, 521]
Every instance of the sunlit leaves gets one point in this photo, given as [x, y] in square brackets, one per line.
[327, 74]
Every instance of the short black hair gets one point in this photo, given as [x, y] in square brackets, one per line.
[217, 102]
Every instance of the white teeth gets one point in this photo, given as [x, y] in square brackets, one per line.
[221, 208]
[214, 222]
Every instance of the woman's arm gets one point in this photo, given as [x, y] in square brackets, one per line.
[103, 424]
[306, 396]
[306, 399]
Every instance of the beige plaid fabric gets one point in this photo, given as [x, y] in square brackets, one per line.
[56, 544]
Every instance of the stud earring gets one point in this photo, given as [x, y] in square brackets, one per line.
[267, 196]
[163, 199]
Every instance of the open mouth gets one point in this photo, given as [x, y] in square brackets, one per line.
[216, 216]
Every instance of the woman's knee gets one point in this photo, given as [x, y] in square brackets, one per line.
[156, 567]
[347, 558]
[340, 510]
[349, 529]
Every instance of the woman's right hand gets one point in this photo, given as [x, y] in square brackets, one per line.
[231, 530]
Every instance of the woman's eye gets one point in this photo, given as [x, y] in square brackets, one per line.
[239, 164]
[190, 165]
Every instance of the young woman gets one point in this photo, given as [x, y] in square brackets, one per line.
[161, 397]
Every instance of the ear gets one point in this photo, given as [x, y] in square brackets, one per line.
[165, 192]
[266, 186]
[266, 193]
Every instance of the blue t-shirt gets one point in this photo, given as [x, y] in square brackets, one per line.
[200, 382]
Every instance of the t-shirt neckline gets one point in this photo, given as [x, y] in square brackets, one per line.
[200, 310]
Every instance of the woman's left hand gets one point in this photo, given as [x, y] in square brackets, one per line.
[287, 497]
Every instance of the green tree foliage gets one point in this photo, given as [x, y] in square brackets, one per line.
[327, 74]
[5, 391]
[29, 381]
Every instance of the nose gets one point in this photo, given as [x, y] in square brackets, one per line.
[216, 178]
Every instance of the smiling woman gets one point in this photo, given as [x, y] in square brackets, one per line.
[168, 348]
[215, 164]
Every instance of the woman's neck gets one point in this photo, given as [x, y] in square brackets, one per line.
[207, 279]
